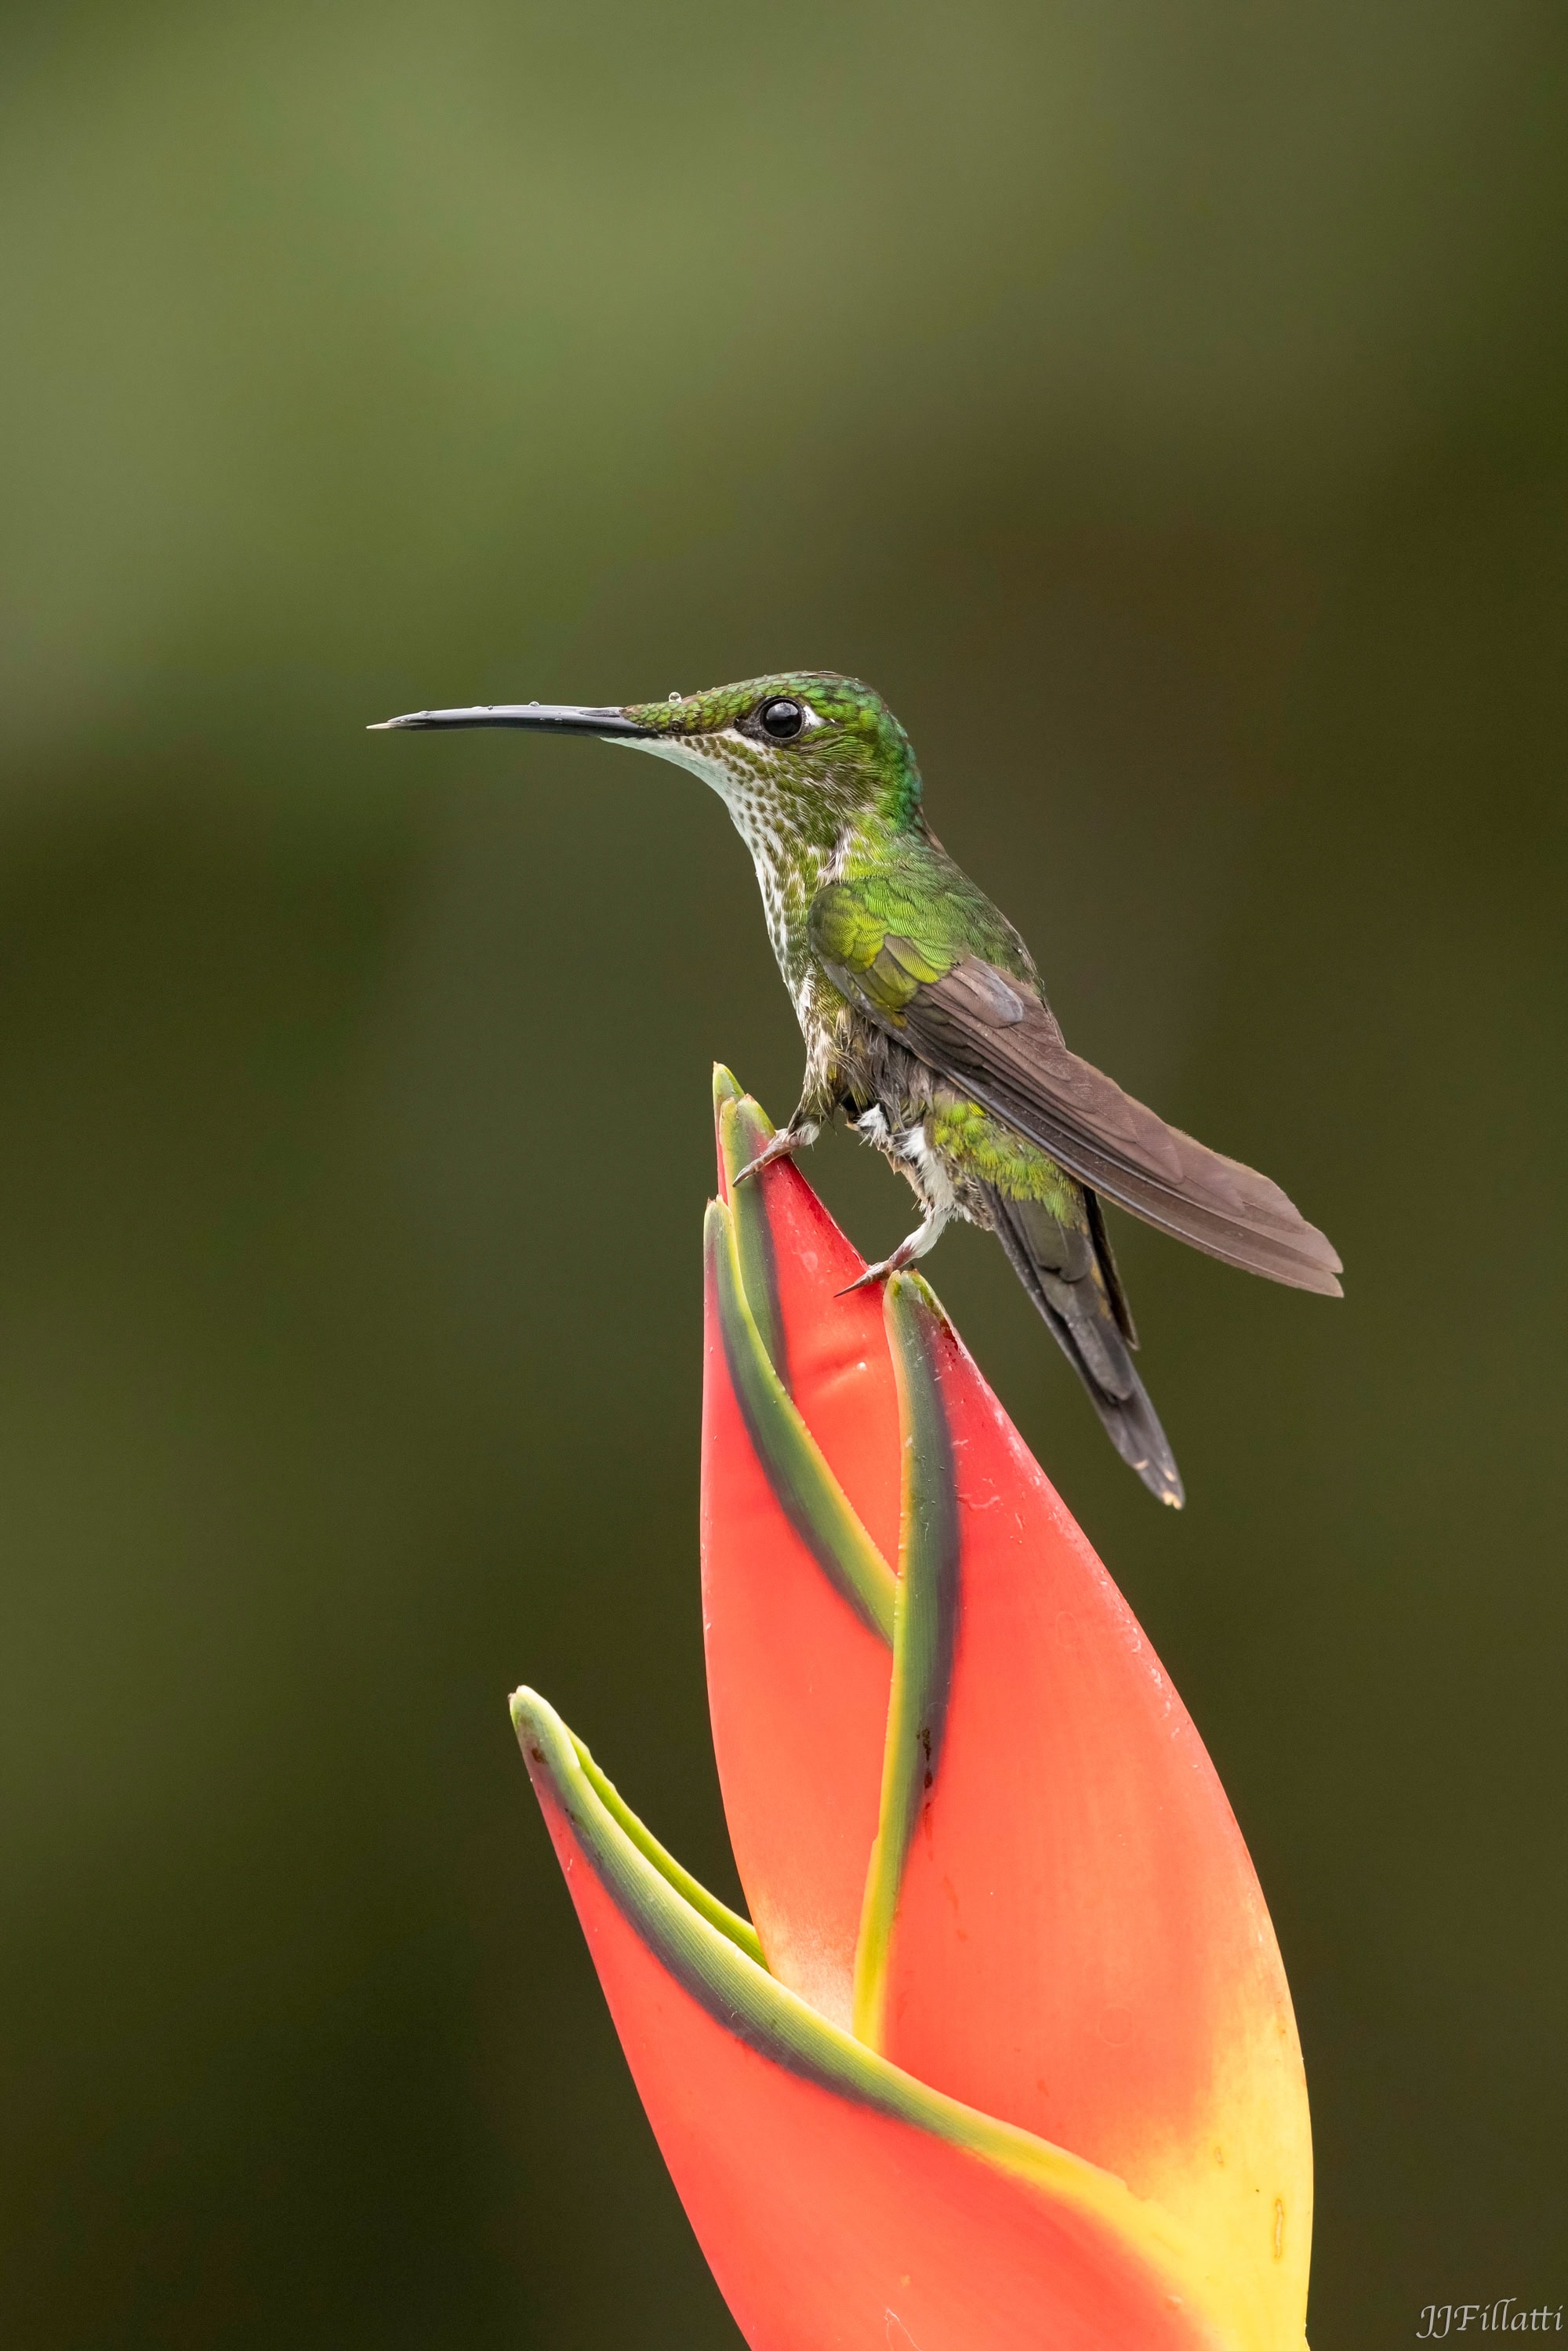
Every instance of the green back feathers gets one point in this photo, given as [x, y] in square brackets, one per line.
[901, 921]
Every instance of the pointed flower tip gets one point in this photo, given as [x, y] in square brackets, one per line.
[742, 1130]
[726, 1095]
[534, 1720]
[755, 1120]
[750, 1133]
[716, 1226]
[741, 1126]
[909, 1293]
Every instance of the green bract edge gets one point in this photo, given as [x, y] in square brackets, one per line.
[740, 1931]
[745, 2000]
[924, 1627]
[727, 1093]
[807, 1490]
[745, 1130]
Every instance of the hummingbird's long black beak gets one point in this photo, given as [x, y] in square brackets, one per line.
[548, 717]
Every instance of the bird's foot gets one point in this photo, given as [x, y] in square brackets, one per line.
[924, 1236]
[785, 1143]
[904, 1254]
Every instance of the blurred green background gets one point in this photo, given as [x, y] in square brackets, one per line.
[1167, 408]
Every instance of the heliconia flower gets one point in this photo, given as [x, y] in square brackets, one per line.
[1008, 2057]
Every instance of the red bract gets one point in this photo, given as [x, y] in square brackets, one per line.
[976, 1827]
[801, 1510]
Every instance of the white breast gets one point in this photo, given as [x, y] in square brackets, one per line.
[790, 866]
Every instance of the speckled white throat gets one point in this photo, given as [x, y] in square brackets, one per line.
[793, 856]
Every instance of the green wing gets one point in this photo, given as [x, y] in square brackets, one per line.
[886, 966]
[896, 932]
[992, 1036]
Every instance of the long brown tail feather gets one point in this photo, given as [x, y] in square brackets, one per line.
[1081, 1317]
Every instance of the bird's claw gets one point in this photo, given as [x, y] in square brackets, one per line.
[893, 1264]
[783, 1145]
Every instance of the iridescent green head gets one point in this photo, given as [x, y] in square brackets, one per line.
[804, 752]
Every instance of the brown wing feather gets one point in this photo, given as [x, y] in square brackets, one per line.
[1003, 1047]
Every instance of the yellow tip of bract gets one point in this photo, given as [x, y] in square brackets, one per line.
[528, 1710]
[903, 1291]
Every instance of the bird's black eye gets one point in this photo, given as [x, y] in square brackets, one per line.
[781, 719]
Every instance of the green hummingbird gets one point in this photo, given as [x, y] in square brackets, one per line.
[926, 1022]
